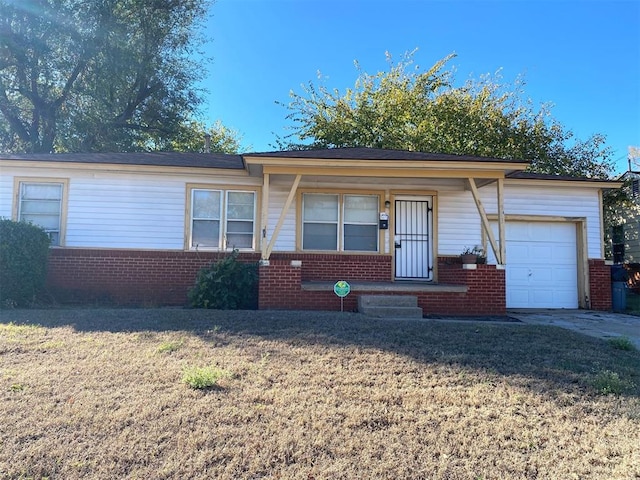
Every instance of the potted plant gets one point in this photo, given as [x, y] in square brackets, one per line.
[473, 255]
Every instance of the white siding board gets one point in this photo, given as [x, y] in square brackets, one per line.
[551, 201]
[6, 194]
[286, 241]
[126, 212]
[458, 223]
[110, 209]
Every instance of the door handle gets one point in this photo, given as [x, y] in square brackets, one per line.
[397, 244]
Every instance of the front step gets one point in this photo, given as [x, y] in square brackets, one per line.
[389, 306]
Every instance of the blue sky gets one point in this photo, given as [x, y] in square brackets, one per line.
[581, 56]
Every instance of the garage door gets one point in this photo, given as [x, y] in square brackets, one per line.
[542, 265]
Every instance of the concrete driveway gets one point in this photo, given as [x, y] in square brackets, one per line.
[589, 322]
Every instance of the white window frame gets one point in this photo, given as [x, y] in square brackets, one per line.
[222, 244]
[341, 222]
[21, 182]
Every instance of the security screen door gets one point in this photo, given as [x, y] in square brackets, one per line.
[412, 238]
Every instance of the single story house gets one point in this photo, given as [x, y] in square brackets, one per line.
[134, 228]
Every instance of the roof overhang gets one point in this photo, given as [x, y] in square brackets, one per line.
[382, 168]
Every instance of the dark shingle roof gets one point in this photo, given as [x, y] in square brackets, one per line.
[362, 153]
[163, 159]
[545, 176]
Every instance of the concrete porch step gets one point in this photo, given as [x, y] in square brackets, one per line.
[398, 306]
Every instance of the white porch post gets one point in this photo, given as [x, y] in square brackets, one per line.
[497, 252]
[265, 215]
[266, 253]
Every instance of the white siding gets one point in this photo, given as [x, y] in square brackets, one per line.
[551, 201]
[121, 210]
[112, 209]
[6, 193]
[287, 238]
[126, 212]
[459, 224]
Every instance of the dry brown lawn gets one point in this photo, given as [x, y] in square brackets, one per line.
[94, 393]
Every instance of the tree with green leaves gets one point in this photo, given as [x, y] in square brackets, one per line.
[191, 137]
[86, 75]
[407, 109]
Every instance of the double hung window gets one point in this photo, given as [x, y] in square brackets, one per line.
[222, 219]
[340, 222]
[40, 203]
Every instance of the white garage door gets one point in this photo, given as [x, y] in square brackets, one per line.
[542, 265]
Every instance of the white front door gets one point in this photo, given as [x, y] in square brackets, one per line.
[542, 265]
[413, 220]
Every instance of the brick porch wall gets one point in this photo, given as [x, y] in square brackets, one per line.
[327, 267]
[126, 277]
[280, 285]
[600, 285]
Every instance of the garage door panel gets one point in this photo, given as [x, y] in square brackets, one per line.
[541, 253]
[564, 254]
[564, 276]
[519, 252]
[541, 275]
[542, 266]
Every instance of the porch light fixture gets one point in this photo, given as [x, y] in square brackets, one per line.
[387, 204]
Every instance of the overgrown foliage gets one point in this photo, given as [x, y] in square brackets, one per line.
[81, 75]
[407, 109]
[24, 249]
[228, 284]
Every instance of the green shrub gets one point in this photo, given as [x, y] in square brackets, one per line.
[24, 249]
[622, 343]
[610, 383]
[203, 377]
[228, 284]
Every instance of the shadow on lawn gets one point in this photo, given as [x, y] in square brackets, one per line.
[543, 358]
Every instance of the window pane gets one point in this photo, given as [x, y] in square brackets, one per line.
[40, 206]
[42, 191]
[55, 238]
[206, 204]
[320, 208]
[205, 233]
[235, 226]
[361, 237]
[320, 236]
[240, 205]
[48, 222]
[239, 240]
[361, 208]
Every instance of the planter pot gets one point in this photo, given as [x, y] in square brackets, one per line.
[469, 258]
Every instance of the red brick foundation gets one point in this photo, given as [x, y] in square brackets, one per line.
[126, 277]
[600, 285]
[158, 278]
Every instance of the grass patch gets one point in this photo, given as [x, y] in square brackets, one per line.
[312, 395]
[169, 346]
[200, 378]
[622, 343]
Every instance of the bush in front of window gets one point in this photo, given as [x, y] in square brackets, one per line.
[24, 249]
[227, 284]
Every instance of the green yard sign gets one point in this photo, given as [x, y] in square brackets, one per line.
[342, 288]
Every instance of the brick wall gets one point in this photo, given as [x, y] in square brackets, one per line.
[327, 267]
[126, 277]
[280, 286]
[600, 285]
